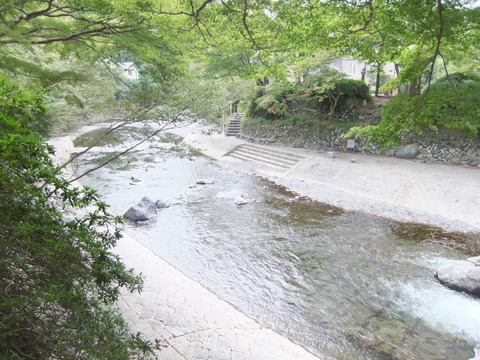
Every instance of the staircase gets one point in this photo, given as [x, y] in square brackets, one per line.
[235, 125]
[281, 160]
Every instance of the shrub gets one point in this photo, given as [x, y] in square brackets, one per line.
[451, 102]
[283, 100]
[351, 90]
[58, 277]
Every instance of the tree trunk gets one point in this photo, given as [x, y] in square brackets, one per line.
[263, 82]
[415, 86]
[377, 82]
[364, 73]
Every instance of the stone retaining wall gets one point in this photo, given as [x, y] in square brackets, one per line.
[446, 146]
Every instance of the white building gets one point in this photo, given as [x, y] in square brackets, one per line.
[129, 69]
[357, 70]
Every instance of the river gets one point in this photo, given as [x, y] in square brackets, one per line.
[344, 284]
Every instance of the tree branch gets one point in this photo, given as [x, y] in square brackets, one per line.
[195, 13]
[155, 133]
[249, 32]
[371, 11]
[33, 15]
[441, 29]
[103, 31]
[448, 75]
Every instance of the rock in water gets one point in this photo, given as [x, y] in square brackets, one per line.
[240, 200]
[461, 275]
[205, 181]
[407, 152]
[144, 210]
[160, 204]
[135, 181]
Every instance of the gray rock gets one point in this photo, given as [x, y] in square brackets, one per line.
[160, 204]
[135, 181]
[461, 275]
[331, 154]
[407, 151]
[240, 200]
[144, 210]
[205, 181]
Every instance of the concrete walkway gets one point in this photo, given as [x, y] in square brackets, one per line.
[192, 321]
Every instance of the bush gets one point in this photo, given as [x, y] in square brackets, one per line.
[451, 102]
[58, 277]
[21, 107]
[350, 91]
[343, 95]
[285, 100]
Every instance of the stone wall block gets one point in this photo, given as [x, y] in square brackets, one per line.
[445, 146]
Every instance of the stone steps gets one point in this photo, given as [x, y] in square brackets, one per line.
[235, 125]
[278, 159]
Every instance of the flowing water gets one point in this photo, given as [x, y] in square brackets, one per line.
[342, 284]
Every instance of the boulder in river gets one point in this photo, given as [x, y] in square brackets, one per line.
[240, 200]
[476, 350]
[461, 275]
[205, 181]
[160, 204]
[144, 210]
[230, 194]
[135, 181]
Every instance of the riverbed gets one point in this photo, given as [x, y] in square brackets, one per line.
[345, 284]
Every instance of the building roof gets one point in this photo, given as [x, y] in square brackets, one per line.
[126, 64]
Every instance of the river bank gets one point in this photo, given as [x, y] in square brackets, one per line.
[409, 191]
[405, 190]
[189, 320]
[187, 317]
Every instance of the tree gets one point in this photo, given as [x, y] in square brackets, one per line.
[412, 33]
[58, 276]
[416, 35]
[438, 34]
[57, 48]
